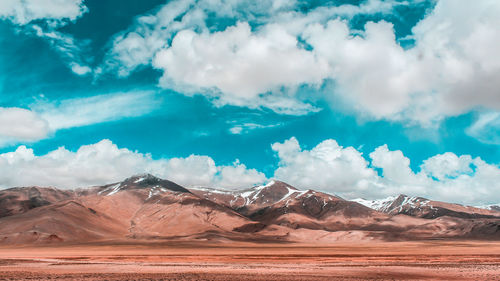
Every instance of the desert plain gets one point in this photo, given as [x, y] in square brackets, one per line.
[180, 260]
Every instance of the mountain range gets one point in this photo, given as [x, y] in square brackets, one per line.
[147, 208]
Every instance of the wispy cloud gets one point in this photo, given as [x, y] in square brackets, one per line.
[43, 19]
[486, 128]
[78, 112]
[72, 51]
[244, 128]
[46, 117]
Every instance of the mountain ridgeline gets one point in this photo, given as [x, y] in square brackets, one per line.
[147, 208]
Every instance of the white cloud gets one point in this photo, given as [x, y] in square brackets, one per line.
[397, 176]
[84, 111]
[53, 14]
[70, 49]
[447, 165]
[456, 46]
[236, 65]
[236, 130]
[138, 46]
[198, 170]
[238, 176]
[194, 170]
[91, 164]
[24, 11]
[450, 70]
[327, 167]
[19, 125]
[344, 171]
[247, 127]
[151, 32]
[460, 179]
[104, 162]
[367, 8]
[371, 71]
[394, 165]
[80, 69]
[486, 128]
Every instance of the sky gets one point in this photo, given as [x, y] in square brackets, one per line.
[356, 98]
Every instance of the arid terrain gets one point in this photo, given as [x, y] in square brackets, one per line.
[145, 207]
[429, 260]
[147, 228]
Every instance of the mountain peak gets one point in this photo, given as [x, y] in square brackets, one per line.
[143, 181]
[275, 184]
[269, 193]
[140, 178]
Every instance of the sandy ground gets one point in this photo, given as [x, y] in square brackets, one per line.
[434, 260]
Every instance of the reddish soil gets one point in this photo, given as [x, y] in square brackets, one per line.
[430, 260]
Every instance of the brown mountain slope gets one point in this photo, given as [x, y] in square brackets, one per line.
[65, 221]
[250, 200]
[21, 199]
[316, 210]
[140, 207]
[148, 208]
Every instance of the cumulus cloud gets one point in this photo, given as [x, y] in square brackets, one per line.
[194, 170]
[448, 71]
[104, 162]
[24, 11]
[372, 72]
[460, 41]
[152, 32]
[200, 170]
[446, 177]
[18, 125]
[447, 166]
[327, 166]
[237, 65]
[91, 164]
[344, 171]
[238, 176]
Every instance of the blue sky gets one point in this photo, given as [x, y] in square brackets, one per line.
[243, 85]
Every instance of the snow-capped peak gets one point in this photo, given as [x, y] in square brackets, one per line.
[393, 203]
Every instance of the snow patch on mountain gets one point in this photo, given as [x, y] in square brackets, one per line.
[112, 189]
[395, 204]
[491, 207]
[379, 205]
